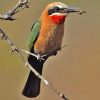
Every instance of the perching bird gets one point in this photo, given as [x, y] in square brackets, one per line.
[46, 38]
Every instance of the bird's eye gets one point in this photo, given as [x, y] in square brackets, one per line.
[56, 8]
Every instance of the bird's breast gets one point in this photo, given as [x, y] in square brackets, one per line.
[57, 19]
[49, 39]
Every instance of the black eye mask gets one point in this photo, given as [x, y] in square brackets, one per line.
[54, 10]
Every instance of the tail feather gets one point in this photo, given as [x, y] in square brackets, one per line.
[32, 86]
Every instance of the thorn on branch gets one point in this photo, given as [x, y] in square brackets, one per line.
[3, 36]
[18, 7]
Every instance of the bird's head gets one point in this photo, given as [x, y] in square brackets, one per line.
[58, 11]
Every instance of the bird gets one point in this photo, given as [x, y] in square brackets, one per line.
[45, 39]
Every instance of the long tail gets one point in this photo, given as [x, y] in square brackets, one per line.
[32, 86]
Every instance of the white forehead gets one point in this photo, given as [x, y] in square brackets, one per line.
[58, 4]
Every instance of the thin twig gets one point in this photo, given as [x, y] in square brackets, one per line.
[32, 54]
[18, 7]
[14, 48]
[47, 83]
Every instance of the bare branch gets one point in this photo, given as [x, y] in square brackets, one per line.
[46, 82]
[14, 48]
[18, 7]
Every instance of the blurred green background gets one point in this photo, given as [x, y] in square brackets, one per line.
[75, 70]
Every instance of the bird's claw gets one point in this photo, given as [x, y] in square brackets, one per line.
[39, 57]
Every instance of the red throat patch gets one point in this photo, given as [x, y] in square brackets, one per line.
[57, 18]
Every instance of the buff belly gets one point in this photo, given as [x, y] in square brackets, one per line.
[49, 43]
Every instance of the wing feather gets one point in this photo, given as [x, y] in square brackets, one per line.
[35, 30]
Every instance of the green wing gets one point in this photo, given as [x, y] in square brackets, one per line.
[34, 34]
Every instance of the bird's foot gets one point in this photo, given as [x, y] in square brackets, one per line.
[39, 57]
